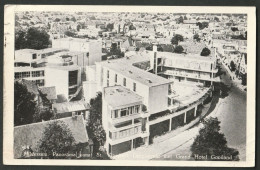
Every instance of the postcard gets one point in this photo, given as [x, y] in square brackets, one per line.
[129, 85]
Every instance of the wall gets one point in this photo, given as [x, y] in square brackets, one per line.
[57, 78]
[122, 147]
[158, 98]
[89, 90]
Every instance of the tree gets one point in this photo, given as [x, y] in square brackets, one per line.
[110, 27]
[196, 37]
[132, 27]
[232, 66]
[202, 25]
[205, 52]
[211, 142]
[73, 19]
[57, 20]
[216, 19]
[95, 129]
[57, 138]
[185, 17]
[176, 38]
[25, 106]
[234, 29]
[20, 40]
[37, 39]
[78, 27]
[69, 33]
[178, 49]
[244, 79]
[179, 20]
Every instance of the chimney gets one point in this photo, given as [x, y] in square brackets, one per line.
[155, 59]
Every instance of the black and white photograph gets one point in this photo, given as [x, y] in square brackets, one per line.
[174, 87]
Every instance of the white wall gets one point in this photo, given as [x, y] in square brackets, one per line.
[158, 98]
[59, 79]
[89, 90]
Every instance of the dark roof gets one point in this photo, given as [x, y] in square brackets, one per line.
[30, 85]
[30, 135]
[50, 92]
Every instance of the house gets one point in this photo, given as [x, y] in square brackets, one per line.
[27, 138]
[50, 93]
[69, 109]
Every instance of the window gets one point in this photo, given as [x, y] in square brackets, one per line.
[107, 83]
[134, 86]
[116, 113]
[87, 54]
[124, 82]
[39, 82]
[137, 109]
[169, 101]
[22, 75]
[34, 56]
[123, 113]
[37, 73]
[131, 110]
[115, 78]
[107, 73]
[73, 78]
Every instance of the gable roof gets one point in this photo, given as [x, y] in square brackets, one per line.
[30, 135]
[50, 92]
[70, 106]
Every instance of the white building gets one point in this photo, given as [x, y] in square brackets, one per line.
[135, 102]
[47, 68]
[91, 48]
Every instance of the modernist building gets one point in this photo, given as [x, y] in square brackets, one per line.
[137, 102]
[48, 68]
[188, 67]
[92, 49]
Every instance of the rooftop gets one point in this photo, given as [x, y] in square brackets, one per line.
[30, 134]
[50, 92]
[125, 67]
[188, 56]
[70, 106]
[119, 96]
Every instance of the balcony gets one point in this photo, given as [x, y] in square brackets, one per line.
[122, 135]
[124, 119]
[188, 75]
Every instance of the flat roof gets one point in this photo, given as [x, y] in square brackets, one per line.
[119, 96]
[126, 68]
[188, 56]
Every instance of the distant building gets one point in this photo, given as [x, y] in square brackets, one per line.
[92, 49]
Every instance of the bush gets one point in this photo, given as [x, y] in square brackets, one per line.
[176, 39]
[178, 49]
[205, 52]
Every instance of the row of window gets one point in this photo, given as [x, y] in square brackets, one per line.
[19, 75]
[124, 81]
[39, 82]
[124, 133]
[125, 111]
[37, 73]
